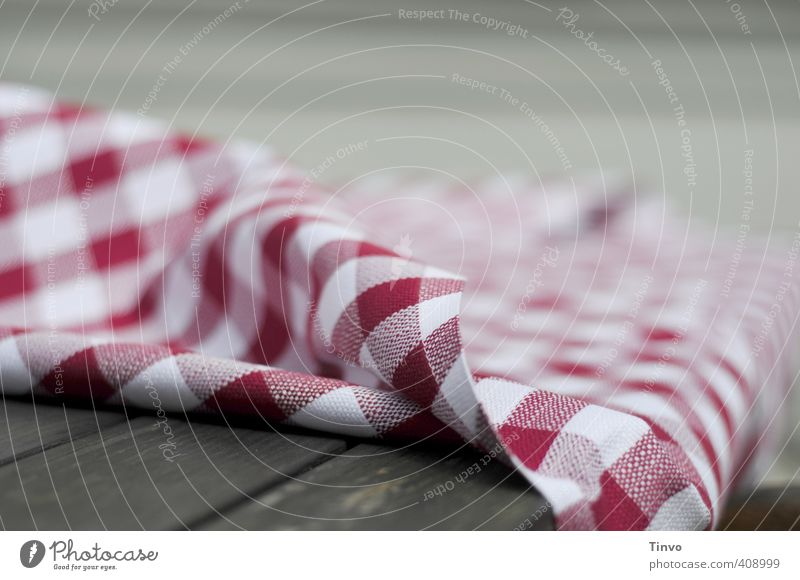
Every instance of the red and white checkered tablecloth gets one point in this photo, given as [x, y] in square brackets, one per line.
[627, 362]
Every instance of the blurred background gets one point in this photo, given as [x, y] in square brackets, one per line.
[698, 100]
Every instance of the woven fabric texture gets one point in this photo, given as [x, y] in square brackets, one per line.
[629, 364]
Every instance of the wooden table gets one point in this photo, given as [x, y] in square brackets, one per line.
[81, 469]
[73, 468]
[341, 72]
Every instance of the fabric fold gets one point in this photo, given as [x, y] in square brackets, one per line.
[147, 268]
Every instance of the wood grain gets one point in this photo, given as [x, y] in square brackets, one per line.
[27, 428]
[772, 508]
[120, 478]
[373, 487]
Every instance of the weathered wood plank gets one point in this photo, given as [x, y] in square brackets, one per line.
[27, 427]
[377, 487]
[776, 509]
[123, 478]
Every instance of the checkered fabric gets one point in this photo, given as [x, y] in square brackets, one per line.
[627, 365]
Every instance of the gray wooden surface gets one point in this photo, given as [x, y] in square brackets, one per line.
[83, 469]
[72, 468]
[372, 486]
